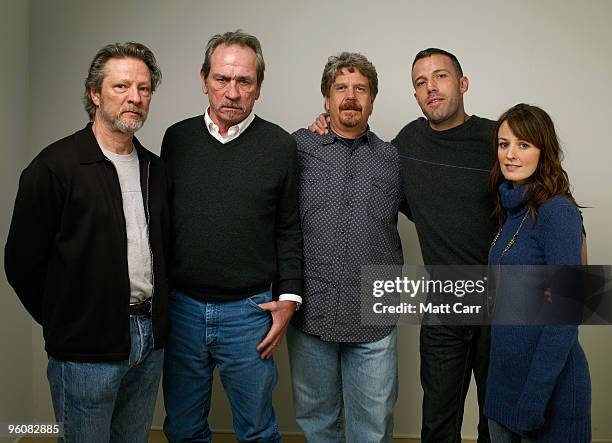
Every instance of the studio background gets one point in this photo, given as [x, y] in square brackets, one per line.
[551, 53]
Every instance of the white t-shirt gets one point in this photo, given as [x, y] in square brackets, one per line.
[138, 249]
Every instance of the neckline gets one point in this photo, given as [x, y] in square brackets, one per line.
[204, 130]
[450, 131]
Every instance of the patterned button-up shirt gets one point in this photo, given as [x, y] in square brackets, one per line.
[350, 194]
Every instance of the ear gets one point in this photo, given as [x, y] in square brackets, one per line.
[95, 96]
[464, 84]
[204, 87]
[257, 93]
[326, 103]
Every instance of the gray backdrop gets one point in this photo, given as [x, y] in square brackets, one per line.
[553, 53]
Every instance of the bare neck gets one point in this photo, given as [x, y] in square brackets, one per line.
[453, 122]
[113, 140]
[350, 133]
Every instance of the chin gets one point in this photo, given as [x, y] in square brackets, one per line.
[351, 123]
[128, 128]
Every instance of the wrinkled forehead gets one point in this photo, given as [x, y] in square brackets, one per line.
[127, 68]
[233, 54]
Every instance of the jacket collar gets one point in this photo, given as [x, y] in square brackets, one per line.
[89, 149]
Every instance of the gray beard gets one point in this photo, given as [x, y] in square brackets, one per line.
[116, 123]
[127, 128]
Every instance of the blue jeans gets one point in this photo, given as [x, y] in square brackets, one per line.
[225, 334]
[327, 377]
[109, 401]
[501, 434]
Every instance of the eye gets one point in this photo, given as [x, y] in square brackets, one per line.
[340, 88]
[245, 81]
[502, 145]
[419, 83]
[361, 89]
[524, 145]
[120, 87]
[442, 75]
[145, 90]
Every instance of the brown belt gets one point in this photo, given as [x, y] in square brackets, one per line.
[142, 308]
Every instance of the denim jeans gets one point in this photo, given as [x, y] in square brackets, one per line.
[329, 377]
[449, 355]
[224, 334]
[109, 401]
[501, 434]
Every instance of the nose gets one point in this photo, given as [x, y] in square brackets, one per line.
[232, 92]
[432, 85]
[134, 95]
[511, 153]
[350, 93]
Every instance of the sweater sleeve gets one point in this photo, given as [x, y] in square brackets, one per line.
[34, 226]
[164, 150]
[562, 246]
[289, 258]
[165, 156]
[404, 207]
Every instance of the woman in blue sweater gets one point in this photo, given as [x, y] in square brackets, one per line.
[538, 387]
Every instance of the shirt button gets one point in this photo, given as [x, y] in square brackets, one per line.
[334, 286]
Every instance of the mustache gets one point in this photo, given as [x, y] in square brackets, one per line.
[350, 105]
[131, 108]
[232, 105]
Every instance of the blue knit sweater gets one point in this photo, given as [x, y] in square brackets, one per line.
[538, 383]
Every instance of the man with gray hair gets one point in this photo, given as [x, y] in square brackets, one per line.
[86, 256]
[236, 258]
[349, 199]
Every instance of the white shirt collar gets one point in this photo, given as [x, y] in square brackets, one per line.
[232, 133]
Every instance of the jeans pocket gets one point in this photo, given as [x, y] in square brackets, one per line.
[257, 299]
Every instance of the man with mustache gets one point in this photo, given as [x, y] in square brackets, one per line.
[344, 372]
[86, 255]
[236, 258]
[445, 163]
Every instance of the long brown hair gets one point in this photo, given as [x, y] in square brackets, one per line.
[535, 126]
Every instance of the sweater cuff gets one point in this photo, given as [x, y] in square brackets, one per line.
[529, 413]
[287, 287]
